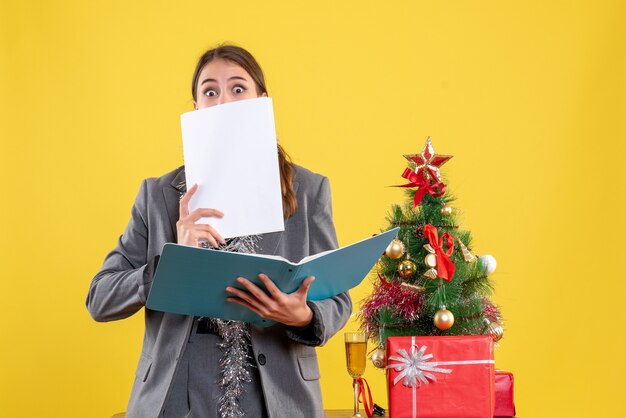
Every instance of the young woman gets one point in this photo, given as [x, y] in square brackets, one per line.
[206, 367]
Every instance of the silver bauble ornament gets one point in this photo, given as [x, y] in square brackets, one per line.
[496, 331]
[378, 358]
[488, 262]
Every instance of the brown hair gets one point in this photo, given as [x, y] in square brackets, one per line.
[246, 61]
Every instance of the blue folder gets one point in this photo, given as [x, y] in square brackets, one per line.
[193, 281]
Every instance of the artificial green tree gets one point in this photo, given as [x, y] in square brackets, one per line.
[429, 282]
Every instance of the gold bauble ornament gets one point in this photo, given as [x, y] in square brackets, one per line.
[406, 269]
[430, 260]
[496, 331]
[378, 358]
[444, 319]
[446, 210]
[395, 249]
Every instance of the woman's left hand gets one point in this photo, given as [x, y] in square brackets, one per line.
[289, 309]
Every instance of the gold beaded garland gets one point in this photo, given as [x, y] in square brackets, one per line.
[412, 287]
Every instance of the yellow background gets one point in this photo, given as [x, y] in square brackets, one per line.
[528, 96]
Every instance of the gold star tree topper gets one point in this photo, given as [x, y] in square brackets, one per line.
[427, 163]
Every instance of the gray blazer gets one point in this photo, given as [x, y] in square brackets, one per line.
[290, 373]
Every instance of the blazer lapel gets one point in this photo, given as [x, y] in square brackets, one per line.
[172, 197]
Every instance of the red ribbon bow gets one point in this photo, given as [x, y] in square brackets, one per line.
[435, 189]
[445, 266]
[368, 406]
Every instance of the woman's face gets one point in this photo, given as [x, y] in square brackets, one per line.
[223, 81]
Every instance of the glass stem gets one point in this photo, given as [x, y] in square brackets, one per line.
[356, 387]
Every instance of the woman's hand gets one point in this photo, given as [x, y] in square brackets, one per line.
[289, 309]
[191, 233]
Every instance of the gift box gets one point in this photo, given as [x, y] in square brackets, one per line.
[504, 407]
[440, 377]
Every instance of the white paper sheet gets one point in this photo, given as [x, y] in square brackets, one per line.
[231, 153]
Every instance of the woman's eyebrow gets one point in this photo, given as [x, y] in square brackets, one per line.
[235, 77]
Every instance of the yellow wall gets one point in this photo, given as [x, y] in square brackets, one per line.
[529, 96]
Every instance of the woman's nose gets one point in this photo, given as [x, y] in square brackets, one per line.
[225, 98]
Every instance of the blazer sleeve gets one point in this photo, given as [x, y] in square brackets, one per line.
[329, 315]
[121, 286]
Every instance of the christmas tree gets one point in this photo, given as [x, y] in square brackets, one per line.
[429, 282]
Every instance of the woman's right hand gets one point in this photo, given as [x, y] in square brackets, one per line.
[191, 233]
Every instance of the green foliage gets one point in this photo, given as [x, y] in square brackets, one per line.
[386, 316]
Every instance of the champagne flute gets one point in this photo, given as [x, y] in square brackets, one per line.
[356, 356]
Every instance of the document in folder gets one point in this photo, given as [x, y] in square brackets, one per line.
[193, 281]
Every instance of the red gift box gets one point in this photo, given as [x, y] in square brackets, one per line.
[440, 377]
[505, 407]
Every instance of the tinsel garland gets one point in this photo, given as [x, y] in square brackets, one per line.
[403, 302]
[235, 362]
[491, 311]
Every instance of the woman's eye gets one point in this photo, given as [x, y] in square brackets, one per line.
[210, 93]
[238, 89]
